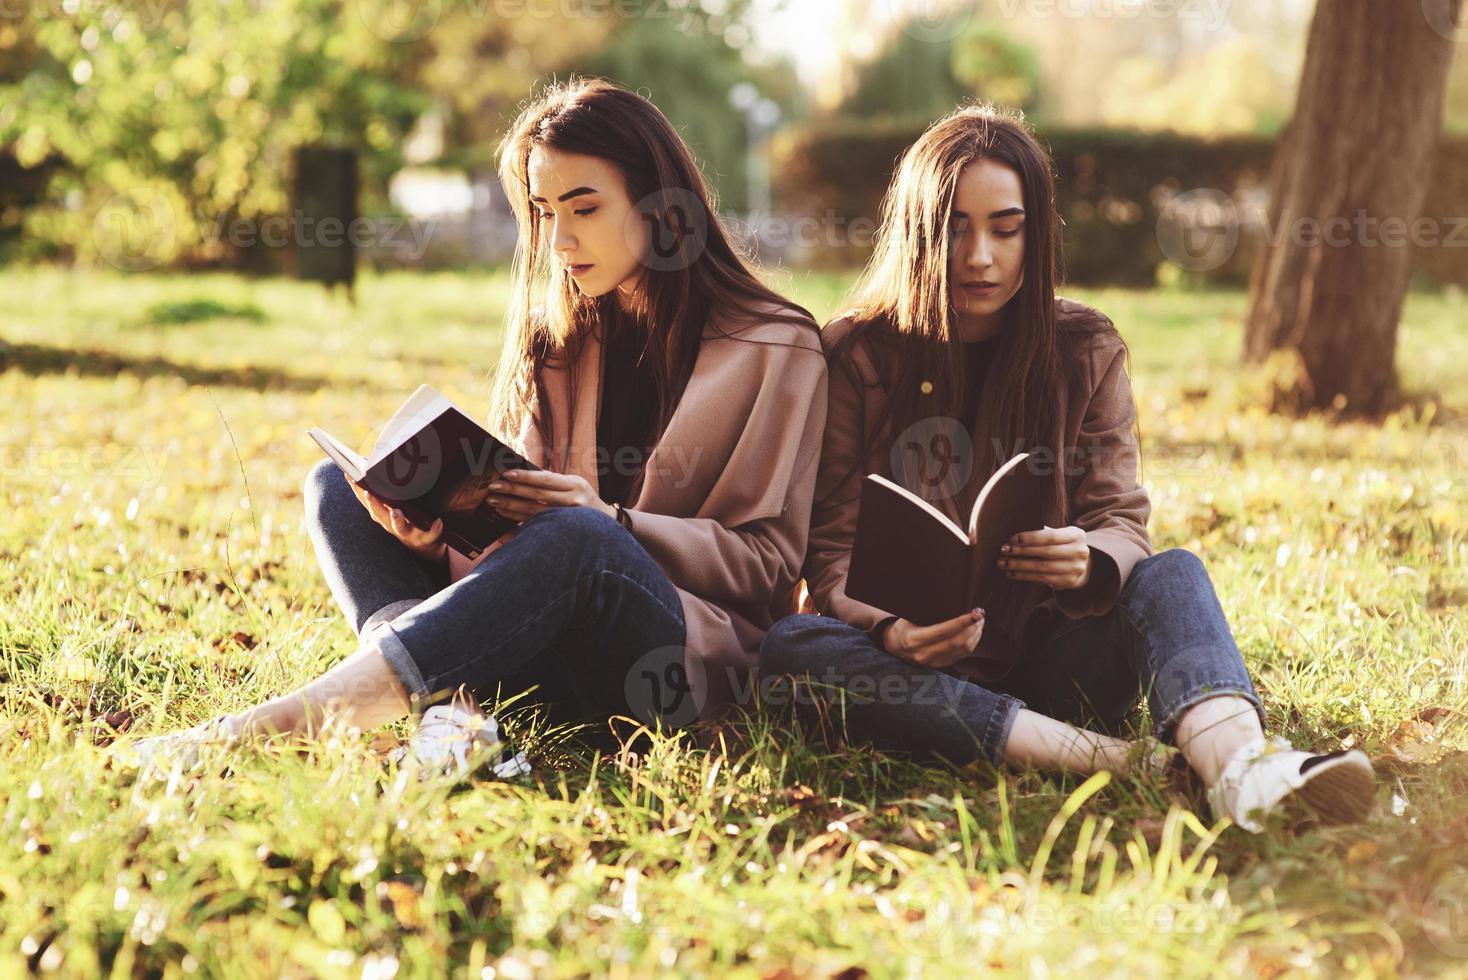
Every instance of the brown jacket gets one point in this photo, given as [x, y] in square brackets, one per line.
[1105, 499]
[723, 503]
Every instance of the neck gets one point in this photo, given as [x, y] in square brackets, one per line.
[973, 329]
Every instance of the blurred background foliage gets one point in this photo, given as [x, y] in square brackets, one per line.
[200, 105]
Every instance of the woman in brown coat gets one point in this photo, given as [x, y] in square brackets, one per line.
[676, 406]
[955, 356]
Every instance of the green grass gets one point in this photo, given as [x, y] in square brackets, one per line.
[155, 563]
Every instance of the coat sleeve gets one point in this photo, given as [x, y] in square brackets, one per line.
[753, 555]
[1107, 502]
[838, 488]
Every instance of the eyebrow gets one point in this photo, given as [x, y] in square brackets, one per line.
[1006, 213]
[578, 192]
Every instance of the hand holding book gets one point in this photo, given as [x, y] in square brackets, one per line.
[1057, 556]
[940, 645]
[432, 466]
[426, 544]
[521, 494]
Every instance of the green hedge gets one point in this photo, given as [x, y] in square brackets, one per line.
[1113, 186]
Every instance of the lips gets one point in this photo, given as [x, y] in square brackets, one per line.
[578, 270]
[982, 286]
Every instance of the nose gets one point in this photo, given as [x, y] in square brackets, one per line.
[978, 254]
[561, 238]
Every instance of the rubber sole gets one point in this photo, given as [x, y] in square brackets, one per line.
[1340, 787]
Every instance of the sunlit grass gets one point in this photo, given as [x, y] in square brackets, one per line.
[154, 446]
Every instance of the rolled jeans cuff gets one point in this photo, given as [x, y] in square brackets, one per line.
[403, 665]
[1166, 728]
[1001, 721]
[385, 615]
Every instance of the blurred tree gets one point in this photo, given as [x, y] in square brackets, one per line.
[1227, 88]
[1329, 283]
[912, 76]
[689, 67]
[994, 66]
[175, 118]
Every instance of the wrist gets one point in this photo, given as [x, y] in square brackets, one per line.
[435, 552]
[882, 633]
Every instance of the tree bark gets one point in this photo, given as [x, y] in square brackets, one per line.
[1346, 189]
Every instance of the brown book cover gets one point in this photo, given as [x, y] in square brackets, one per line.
[434, 461]
[911, 560]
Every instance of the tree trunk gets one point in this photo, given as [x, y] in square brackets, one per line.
[1346, 189]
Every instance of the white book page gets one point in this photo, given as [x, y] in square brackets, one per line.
[351, 463]
[422, 407]
[943, 518]
[999, 474]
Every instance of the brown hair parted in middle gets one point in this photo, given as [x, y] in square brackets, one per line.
[701, 279]
[901, 303]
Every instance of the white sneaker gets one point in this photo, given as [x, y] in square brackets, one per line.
[1337, 787]
[456, 740]
[160, 753]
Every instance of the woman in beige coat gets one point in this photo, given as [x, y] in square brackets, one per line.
[955, 356]
[676, 406]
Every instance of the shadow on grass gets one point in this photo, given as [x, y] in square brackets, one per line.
[198, 310]
[37, 360]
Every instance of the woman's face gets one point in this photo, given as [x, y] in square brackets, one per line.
[588, 220]
[986, 246]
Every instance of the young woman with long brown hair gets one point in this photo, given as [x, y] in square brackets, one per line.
[954, 356]
[676, 405]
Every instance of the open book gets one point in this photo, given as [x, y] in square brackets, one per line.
[912, 561]
[434, 461]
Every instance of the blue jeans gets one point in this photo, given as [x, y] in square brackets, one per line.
[572, 603]
[1166, 636]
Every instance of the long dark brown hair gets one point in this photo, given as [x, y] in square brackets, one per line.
[901, 303]
[701, 279]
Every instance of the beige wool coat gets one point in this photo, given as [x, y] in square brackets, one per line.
[723, 502]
